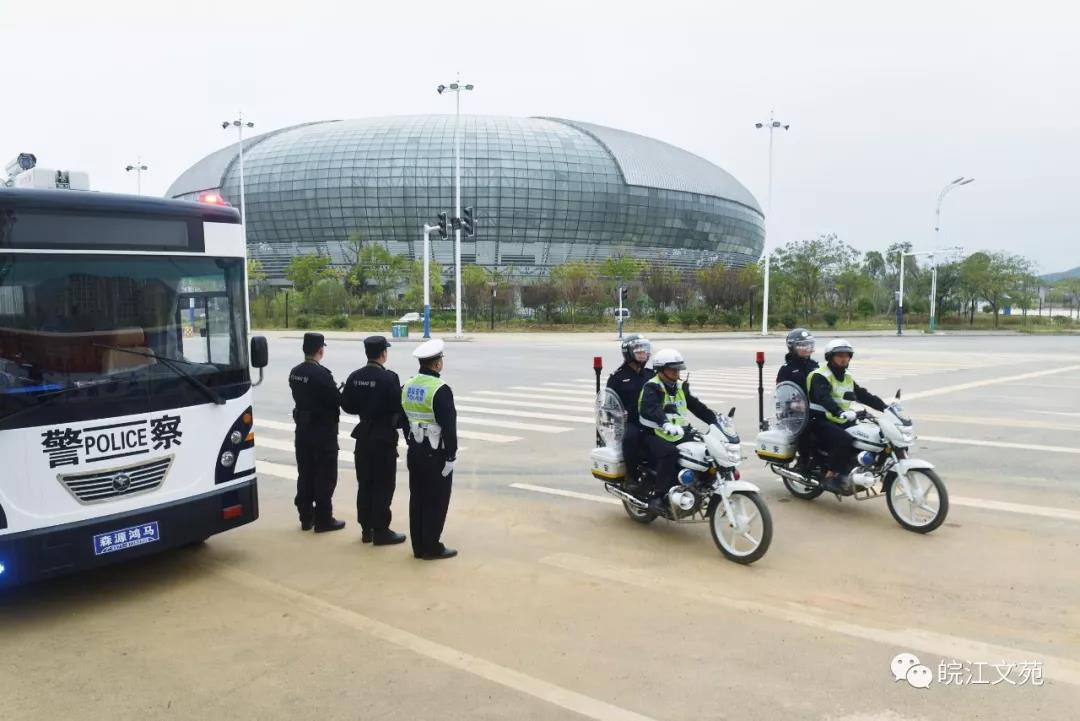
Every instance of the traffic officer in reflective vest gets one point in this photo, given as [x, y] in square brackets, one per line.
[831, 390]
[662, 407]
[316, 412]
[432, 439]
[374, 394]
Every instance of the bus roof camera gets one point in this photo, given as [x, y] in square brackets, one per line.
[21, 162]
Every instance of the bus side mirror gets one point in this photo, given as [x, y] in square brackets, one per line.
[260, 352]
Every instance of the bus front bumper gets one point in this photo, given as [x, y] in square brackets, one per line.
[35, 555]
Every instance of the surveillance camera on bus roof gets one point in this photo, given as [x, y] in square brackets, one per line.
[21, 162]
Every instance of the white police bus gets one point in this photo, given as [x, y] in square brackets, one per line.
[125, 387]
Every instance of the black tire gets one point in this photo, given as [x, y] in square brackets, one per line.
[716, 507]
[943, 501]
[807, 493]
[643, 517]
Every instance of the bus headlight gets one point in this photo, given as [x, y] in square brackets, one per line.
[235, 437]
[228, 458]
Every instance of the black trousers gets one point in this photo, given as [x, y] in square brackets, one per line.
[631, 449]
[376, 479]
[834, 440]
[316, 479]
[429, 498]
[665, 455]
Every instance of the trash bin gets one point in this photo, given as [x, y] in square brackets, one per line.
[399, 330]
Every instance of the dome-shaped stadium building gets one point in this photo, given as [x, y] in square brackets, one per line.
[545, 191]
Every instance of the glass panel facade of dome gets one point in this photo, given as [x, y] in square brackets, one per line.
[544, 193]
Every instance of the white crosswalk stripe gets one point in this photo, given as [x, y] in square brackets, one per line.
[470, 435]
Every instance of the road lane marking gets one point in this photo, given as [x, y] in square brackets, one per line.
[469, 435]
[999, 444]
[989, 382]
[583, 405]
[986, 504]
[264, 442]
[565, 493]
[915, 639]
[528, 414]
[1003, 422]
[538, 427]
[274, 469]
[454, 658]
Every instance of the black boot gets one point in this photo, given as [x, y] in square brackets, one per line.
[331, 524]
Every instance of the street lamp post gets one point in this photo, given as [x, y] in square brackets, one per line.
[456, 88]
[239, 123]
[937, 238]
[772, 125]
[138, 167]
[428, 230]
[933, 285]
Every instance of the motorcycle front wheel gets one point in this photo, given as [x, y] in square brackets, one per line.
[745, 536]
[929, 507]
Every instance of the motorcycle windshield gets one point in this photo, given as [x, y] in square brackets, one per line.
[610, 418]
[792, 412]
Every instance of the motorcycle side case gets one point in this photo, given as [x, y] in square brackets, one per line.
[867, 437]
[607, 464]
[776, 446]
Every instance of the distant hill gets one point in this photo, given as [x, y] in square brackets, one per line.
[1055, 277]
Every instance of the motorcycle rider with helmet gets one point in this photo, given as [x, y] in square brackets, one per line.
[662, 407]
[798, 363]
[831, 390]
[626, 382]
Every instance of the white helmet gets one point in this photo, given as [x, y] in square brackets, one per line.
[668, 358]
[838, 345]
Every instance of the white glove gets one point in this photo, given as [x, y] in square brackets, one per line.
[673, 430]
[848, 416]
[447, 469]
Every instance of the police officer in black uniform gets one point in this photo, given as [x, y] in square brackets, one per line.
[316, 415]
[626, 381]
[374, 394]
[798, 363]
[433, 445]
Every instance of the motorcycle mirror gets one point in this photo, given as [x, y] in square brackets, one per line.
[731, 413]
[897, 394]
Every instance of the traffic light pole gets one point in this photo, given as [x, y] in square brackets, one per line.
[619, 290]
[428, 230]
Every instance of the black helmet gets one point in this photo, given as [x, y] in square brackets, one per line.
[633, 344]
[799, 337]
[838, 345]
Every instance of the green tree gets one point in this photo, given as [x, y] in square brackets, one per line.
[661, 283]
[850, 284]
[377, 272]
[475, 288]
[992, 277]
[810, 267]
[540, 297]
[414, 296]
[306, 270]
[576, 284]
[328, 296]
[619, 271]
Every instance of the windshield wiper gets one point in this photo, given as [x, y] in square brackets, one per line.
[47, 398]
[169, 363]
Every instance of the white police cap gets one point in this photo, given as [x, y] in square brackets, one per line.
[430, 349]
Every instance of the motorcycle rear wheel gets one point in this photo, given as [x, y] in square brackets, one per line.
[807, 493]
[643, 517]
[751, 508]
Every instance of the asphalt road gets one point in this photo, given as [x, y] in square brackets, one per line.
[561, 607]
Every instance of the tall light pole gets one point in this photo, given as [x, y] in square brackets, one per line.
[138, 167]
[937, 238]
[771, 126]
[933, 284]
[239, 123]
[428, 230]
[456, 88]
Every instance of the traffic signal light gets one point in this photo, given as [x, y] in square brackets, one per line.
[624, 292]
[468, 223]
[442, 226]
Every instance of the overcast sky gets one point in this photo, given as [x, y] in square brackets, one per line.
[887, 101]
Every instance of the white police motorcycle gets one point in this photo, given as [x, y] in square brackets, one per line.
[913, 491]
[708, 489]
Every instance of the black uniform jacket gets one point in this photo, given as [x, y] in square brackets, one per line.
[373, 393]
[627, 384]
[317, 403]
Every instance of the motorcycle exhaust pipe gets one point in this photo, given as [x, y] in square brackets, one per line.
[793, 476]
[624, 496]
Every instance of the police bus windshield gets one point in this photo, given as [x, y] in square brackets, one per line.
[85, 336]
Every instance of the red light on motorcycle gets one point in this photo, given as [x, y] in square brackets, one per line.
[230, 512]
[597, 362]
[760, 357]
[736, 475]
